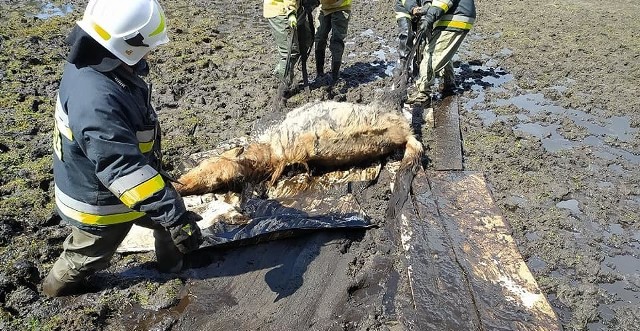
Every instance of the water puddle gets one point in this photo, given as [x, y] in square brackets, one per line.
[46, 9]
[602, 136]
[571, 205]
[382, 60]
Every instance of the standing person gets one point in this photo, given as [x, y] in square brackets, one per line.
[407, 27]
[291, 31]
[334, 17]
[106, 163]
[446, 24]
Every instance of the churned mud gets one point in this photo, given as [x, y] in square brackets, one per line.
[550, 114]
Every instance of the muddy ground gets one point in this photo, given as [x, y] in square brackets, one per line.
[550, 114]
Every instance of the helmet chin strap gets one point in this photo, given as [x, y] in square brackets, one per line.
[141, 68]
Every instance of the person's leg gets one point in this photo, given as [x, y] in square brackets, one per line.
[447, 75]
[436, 56]
[441, 49]
[322, 34]
[339, 27]
[282, 35]
[405, 42]
[85, 252]
[167, 254]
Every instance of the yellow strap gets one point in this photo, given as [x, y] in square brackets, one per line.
[92, 219]
[146, 147]
[455, 24]
[143, 191]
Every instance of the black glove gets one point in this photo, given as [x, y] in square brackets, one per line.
[425, 27]
[185, 233]
[419, 11]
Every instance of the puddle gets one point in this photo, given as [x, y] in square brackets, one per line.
[385, 56]
[48, 9]
[572, 205]
[601, 134]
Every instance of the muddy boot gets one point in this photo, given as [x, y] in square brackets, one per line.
[167, 254]
[319, 64]
[335, 72]
[420, 98]
[448, 90]
[54, 287]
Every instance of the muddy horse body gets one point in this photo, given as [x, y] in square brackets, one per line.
[325, 134]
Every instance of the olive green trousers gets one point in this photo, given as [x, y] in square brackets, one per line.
[437, 58]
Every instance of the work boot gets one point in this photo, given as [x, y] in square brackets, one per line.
[420, 97]
[335, 72]
[447, 90]
[53, 287]
[169, 258]
[319, 63]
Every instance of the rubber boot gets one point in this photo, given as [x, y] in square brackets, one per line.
[53, 287]
[335, 72]
[319, 63]
[169, 258]
[405, 43]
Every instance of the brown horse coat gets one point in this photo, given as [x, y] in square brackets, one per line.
[326, 134]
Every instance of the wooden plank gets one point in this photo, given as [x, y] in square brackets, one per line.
[448, 141]
[441, 295]
[505, 293]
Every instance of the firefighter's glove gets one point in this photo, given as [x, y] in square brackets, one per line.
[420, 11]
[185, 233]
[293, 21]
[425, 27]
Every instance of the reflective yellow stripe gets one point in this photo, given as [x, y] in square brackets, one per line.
[92, 219]
[62, 120]
[145, 147]
[65, 131]
[143, 191]
[57, 141]
[160, 27]
[442, 5]
[101, 32]
[455, 24]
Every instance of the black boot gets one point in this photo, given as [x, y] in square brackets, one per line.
[167, 254]
[319, 63]
[335, 72]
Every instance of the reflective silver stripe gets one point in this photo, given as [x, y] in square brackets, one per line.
[457, 18]
[87, 208]
[146, 136]
[125, 183]
[62, 120]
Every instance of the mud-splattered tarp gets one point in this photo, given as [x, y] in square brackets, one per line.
[271, 220]
[294, 206]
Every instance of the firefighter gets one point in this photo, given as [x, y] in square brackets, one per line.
[333, 17]
[445, 24]
[407, 27]
[291, 31]
[107, 161]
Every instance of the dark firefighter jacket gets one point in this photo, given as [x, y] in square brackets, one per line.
[452, 15]
[403, 7]
[105, 170]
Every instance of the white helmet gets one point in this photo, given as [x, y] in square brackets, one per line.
[127, 28]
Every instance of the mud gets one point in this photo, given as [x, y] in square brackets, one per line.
[550, 114]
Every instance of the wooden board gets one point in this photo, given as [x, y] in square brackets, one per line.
[447, 149]
[465, 270]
